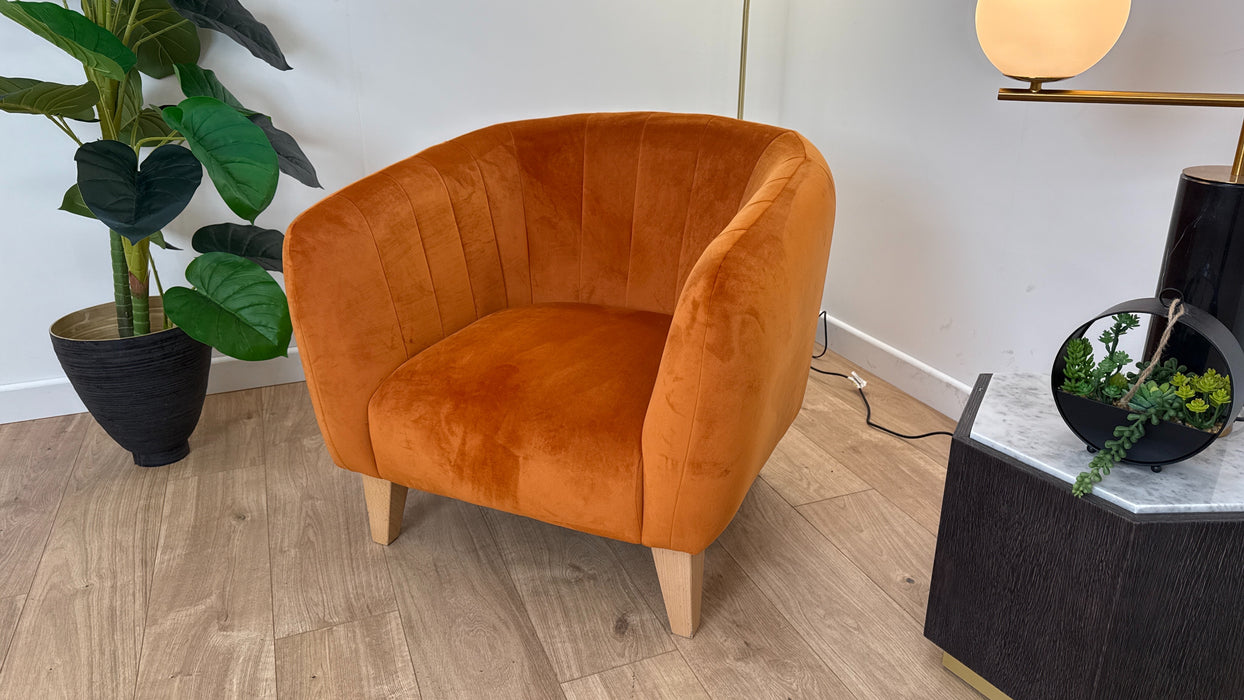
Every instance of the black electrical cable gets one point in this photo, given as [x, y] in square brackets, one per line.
[824, 334]
[868, 409]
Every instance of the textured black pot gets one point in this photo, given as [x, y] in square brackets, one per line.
[146, 392]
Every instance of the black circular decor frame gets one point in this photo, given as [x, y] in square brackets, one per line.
[1165, 443]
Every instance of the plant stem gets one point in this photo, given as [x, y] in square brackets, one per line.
[121, 287]
[129, 23]
[119, 103]
[138, 262]
[60, 124]
[155, 34]
[157, 139]
[160, 288]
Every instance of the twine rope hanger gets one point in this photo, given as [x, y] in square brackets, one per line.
[1173, 314]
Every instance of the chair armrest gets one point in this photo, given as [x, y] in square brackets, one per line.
[735, 365]
[345, 320]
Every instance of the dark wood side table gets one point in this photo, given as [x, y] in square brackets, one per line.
[1136, 591]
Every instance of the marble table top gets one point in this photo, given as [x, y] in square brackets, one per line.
[1017, 417]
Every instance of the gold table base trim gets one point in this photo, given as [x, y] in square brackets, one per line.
[973, 679]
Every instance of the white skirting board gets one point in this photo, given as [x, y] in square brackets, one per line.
[928, 384]
[55, 396]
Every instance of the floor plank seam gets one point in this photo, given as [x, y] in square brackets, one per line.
[678, 650]
[267, 462]
[338, 623]
[410, 655]
[623, 665]
[879, 584]
[509, 576]
[793, 628]
[276, 677]
[60, 499]
[149, 584]
[858, 568]
[847, 468]
[13, 634]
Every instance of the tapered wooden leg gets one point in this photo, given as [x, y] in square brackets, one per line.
[682, 582]
[385, 503]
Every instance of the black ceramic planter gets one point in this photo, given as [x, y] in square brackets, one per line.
[146, 392]
[1164, 443]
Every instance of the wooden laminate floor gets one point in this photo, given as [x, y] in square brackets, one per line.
[247, 571]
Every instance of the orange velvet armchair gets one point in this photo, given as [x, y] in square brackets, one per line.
[601, 321]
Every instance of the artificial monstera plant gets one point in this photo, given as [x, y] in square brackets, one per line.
[148, 162]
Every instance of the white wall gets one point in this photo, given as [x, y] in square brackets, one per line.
[973, 235]
[372, 83]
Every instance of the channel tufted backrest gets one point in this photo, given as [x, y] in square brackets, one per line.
[612, 209]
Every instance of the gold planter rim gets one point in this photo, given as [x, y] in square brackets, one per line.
[99, 322]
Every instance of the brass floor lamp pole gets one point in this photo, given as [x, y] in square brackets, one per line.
[747, 6]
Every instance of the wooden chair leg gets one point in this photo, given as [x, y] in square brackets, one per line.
[385, 503]
[682, 582]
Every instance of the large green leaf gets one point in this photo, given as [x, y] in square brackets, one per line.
[236, 307]
[26, 96]
[290, 158]
[173, 39]
[201, 82]
[78, 36]
[234, 21]
[259, 245]
[148, 124]
[136, 203]
[235, 152]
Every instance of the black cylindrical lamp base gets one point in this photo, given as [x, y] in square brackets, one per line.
[1204, 258]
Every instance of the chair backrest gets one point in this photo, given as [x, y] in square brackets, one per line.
[598, 208]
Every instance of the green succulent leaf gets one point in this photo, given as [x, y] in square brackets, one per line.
[201, 82]
[72, 203]
[73, 33]
[290, 158]
[260, 245]
[1220, 397]
[235, 306]
[234, 21]
[26, 96]
[238, 157]
[163, 37]
[136, 203]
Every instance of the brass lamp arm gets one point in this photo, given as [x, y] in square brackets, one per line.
[1187, 99]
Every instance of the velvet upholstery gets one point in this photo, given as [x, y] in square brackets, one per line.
[536, 410]
[477, 257]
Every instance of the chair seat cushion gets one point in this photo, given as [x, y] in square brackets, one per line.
[535, 410]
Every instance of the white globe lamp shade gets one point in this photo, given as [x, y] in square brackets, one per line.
[1042, 40]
